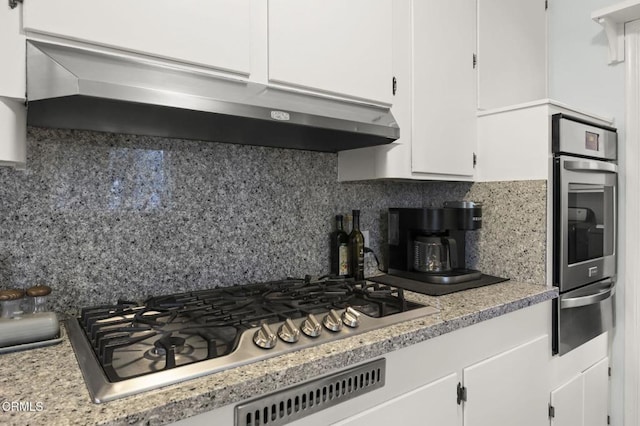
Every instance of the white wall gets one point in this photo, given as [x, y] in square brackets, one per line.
[580, 76]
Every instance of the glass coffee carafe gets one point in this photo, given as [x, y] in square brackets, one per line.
[433, 254]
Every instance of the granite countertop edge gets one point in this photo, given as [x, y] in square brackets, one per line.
[197, 396]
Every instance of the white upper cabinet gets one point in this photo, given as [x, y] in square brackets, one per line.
[329, 47]
[512, 52]
[211, 33]
[444, 87]
[514, 143]
[13, 118]
[12, 52]
[336, 47]
[435, 103]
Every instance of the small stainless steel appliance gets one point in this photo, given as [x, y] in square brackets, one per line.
[127, 348]
[76, 88]
[584, 229]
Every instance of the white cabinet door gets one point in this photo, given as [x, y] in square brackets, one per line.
[13, 117]
[584, 400]
[431, 404]
[213, 33]
[596, 394]
[435, 104]
[512, 52]
[333, 46]
[510, 388]
[12, 52]
[444, 87]
[392, 160]
[568, 403]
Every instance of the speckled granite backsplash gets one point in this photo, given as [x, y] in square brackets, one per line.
[100, 216]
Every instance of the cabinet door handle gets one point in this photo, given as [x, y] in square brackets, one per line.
[462, 393]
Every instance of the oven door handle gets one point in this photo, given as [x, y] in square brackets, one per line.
[590, 166]
[590, 299]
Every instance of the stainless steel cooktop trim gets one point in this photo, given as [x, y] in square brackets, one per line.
[101, 390]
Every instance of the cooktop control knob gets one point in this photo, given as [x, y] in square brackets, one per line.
[351, 317]
[332, 321]
[265, 338]
[311, 327]
[289, 332]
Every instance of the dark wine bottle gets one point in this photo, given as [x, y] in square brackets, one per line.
[356, 249]
[339, 250]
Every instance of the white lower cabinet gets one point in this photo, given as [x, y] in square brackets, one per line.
[596, 394]
[509, 388]
[583, 400]
[567, 403]
[491, 374]
[431, 404]
[504, 364]
[505, 372]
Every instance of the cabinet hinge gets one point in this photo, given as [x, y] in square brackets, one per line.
[14, 3]
[475, 61]
[608, 420]
[475, 160]
[552, 411]
[609, 371]
[546, 4]
[462, 393]
[394, 85]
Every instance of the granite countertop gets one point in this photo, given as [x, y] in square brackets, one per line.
[50, 386]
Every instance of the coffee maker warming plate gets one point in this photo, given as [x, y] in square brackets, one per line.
[452, 277]
[431, 289]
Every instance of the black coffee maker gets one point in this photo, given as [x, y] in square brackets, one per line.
[428, 244]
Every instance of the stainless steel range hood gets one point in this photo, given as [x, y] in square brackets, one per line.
[68, 87]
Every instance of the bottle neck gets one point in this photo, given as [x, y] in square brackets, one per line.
[356, 222]
[339, 224]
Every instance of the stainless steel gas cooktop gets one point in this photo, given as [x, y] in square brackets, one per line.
[128, 348]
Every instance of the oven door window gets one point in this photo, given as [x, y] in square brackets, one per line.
[590, 222]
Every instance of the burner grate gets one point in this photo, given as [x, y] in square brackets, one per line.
[131, 340]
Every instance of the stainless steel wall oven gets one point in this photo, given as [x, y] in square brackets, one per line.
[584, 229]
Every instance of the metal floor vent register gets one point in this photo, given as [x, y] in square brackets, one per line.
[282, 407]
